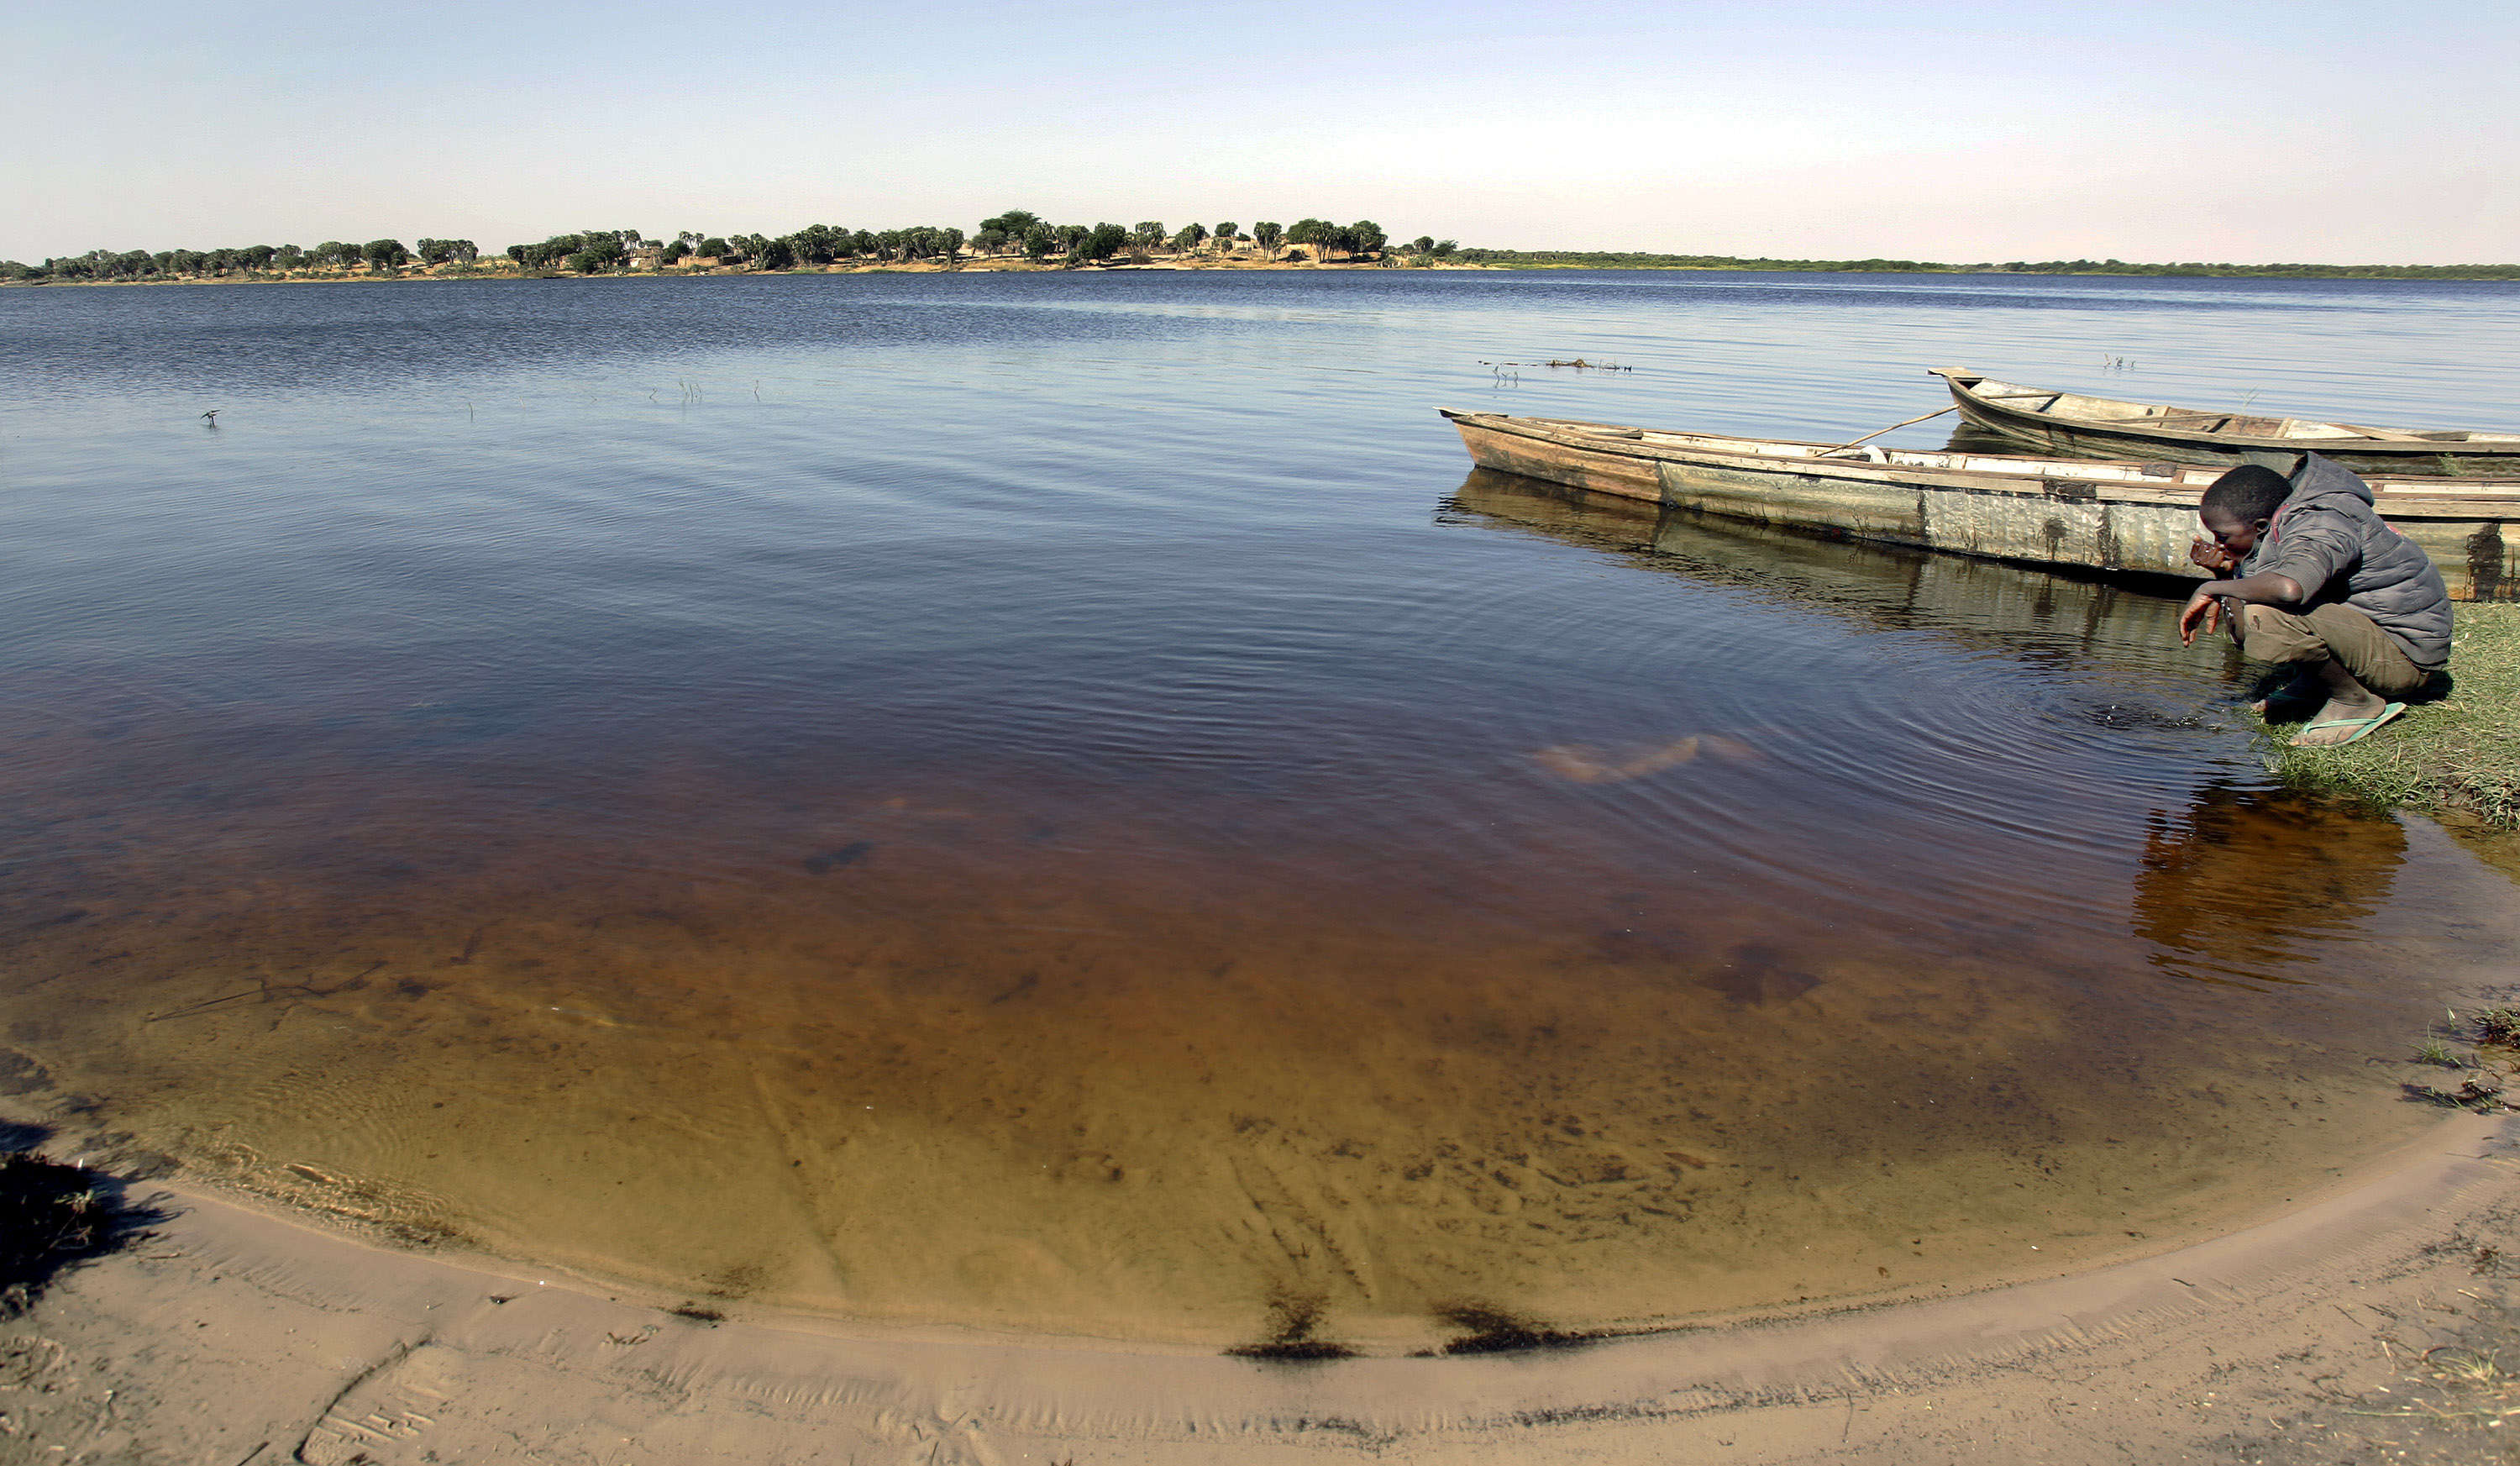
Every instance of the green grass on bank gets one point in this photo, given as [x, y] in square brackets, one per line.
[2459, 753]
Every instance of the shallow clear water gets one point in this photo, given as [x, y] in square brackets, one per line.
[1057, 802]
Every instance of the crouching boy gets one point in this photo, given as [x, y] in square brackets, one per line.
[2311, 577]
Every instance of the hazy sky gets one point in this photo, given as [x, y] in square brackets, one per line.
[2314, 130]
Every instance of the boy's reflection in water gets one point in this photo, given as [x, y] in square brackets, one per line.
[2247, 880]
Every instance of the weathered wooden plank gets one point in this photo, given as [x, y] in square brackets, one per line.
[1800, 497]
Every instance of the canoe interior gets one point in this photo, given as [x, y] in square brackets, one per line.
[1999, 398]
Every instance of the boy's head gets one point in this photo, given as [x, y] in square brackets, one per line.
[2238, 507]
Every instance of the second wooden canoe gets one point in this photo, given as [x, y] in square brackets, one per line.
[2067, 422]
[2120, 518]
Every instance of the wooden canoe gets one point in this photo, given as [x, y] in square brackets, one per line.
[2077, 423]
[2118, 518]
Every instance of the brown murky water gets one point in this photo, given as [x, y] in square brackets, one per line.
[1377, 920]
[988, 1046]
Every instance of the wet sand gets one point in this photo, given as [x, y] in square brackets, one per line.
[230, 1334]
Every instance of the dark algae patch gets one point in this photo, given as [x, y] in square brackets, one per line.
[824, 862]
[19, 1075]
[1293, 1351]
[1493, 1331]
[1292, 1339]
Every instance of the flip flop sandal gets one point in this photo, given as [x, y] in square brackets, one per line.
[2362, 727]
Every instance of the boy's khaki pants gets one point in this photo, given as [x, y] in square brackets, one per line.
[2354, 640]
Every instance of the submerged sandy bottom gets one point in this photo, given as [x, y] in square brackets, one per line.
[232, 1334]
[951, 1058]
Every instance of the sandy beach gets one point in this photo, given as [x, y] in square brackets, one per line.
[230, 1335]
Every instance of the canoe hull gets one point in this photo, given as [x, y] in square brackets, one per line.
[1608, 472]
[2075, 425]
[2119, 519]
[2047, 529]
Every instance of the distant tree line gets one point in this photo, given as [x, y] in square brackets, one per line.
[1018, 234]
[1631, 259]
[380, 254]
[2290, 271]
[1014, 234]
[1607, 260]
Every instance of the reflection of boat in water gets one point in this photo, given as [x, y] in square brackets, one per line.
[1885, 586]
[2126, 519]
[2110, 427]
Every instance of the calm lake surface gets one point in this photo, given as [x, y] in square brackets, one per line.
[1058, 803]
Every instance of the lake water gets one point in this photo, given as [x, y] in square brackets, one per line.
[1057, 801]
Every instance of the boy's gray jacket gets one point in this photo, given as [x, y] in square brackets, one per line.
[2327, 537]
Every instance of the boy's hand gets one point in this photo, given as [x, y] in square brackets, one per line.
[2211, 556]
[2202, 612]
